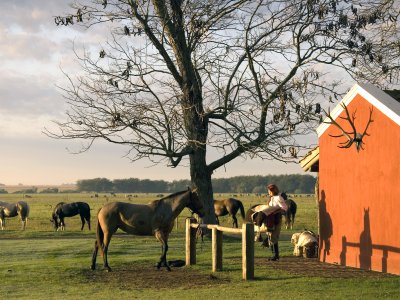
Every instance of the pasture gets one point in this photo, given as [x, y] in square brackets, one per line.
[40, 263]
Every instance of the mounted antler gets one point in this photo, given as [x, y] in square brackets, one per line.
[352, 136]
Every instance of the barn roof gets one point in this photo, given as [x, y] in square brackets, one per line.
[310, 162]
[395, 94]
[385, 101]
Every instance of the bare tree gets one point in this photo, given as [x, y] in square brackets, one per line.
[180, 78]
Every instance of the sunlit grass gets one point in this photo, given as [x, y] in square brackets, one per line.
[40, 263]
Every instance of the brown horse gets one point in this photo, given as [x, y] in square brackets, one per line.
[9, 210]
[156, 218]
[228, 206]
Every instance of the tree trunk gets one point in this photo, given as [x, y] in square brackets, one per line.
[201, 178]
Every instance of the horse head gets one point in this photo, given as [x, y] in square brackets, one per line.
[195, 204]
[54, 220]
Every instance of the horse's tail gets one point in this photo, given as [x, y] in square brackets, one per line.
[100, 237]
[241, 209]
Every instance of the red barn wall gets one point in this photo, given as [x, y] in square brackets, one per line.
[360, 194]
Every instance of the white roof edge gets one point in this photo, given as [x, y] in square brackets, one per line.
[370, 93]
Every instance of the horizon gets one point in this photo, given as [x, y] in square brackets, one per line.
[22, 184]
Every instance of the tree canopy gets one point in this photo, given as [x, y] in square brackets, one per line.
[299, 184]
[205, 82]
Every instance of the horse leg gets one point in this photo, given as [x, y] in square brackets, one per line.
[287, 221]
[83, 221]
[216, 218]
[235, 221]
[62, 224]
[94, 255]
[106, 242]
[291, 223]
[257, 236]
[3, 223]
[163, 258]
[23, 222]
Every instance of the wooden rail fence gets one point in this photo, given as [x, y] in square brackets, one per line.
[247, 232]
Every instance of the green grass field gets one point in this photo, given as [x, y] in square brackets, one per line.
[40, 263]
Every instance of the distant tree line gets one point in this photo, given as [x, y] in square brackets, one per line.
[298, 184]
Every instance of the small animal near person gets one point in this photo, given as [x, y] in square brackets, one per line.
[63, 210]
[228, 206]
[9, 210]
[305, 244]
[156, 218]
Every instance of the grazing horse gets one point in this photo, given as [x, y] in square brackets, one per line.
[291, 211]
[8, 210]
[63, 210]
[228, 206]
[156, 218]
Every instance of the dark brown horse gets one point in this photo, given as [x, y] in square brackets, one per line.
[156, 218]
[228, 206]
[291, 211]
[9, 210]
[63, 210]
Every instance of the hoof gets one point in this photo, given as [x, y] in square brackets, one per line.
[160, 264]
[273, 259]
[92, 267]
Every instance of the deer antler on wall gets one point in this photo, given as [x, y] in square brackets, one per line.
[353, 137]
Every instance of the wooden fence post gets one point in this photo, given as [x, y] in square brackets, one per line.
[190, 242]
[216, 250]
[248, 251]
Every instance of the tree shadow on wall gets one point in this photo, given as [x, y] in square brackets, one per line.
[326, 228]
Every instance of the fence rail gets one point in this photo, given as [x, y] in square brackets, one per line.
[247, 232]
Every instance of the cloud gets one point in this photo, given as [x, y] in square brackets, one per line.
[32, 51]
[28, 31]
[31, 15]
[25, 46]
[28, 103]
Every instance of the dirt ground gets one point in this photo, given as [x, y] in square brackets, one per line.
[311, 267]
[147, 276]
[144, 275]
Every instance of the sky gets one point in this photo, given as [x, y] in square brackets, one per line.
[33, 51]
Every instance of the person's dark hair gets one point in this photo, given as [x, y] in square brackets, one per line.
[273, 188]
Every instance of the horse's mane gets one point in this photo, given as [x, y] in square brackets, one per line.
[173, 195]
[155, 203]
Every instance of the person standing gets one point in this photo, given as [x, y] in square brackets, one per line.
[276, 200]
